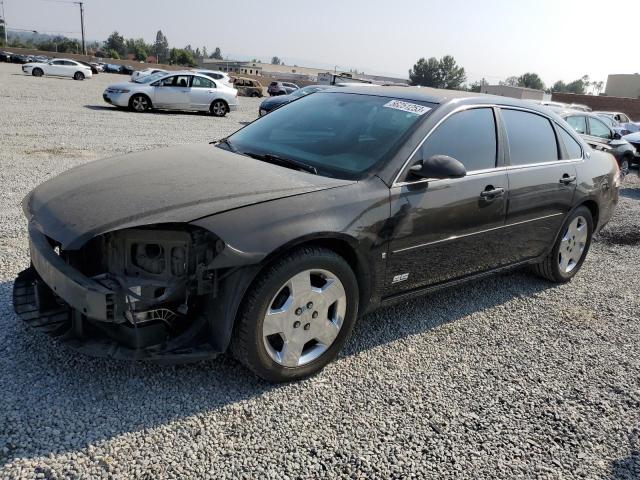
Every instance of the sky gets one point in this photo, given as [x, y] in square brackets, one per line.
[491, 39]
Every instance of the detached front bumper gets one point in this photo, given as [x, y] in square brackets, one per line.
[54, 297]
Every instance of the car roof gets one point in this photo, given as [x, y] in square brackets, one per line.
[441, 96]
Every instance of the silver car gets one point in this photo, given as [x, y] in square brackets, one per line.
[183, 90]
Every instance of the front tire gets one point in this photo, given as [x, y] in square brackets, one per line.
[37, 72]
[219, 108]
[78, 76]
[297, 315]
[570, 249]
[625, 165]
[140, 103]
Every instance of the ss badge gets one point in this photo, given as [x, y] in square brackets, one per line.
[400, 278]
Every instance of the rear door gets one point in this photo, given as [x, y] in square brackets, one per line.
[542, 181]
[202, 92]
[451, 228]
[173, 92]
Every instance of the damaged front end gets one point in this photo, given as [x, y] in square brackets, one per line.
[139, 293]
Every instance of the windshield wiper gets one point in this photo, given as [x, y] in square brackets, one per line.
[224, 141]
[283, 162]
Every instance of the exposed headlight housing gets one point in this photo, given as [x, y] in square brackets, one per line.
[118, 90]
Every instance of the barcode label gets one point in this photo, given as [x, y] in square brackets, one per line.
[407, 107]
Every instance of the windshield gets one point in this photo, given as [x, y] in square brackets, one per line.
[150, 78]
[340, 134]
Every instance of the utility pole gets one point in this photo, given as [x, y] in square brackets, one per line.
[84, 48]
[4, 24]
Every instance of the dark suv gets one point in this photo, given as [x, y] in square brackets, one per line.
[601, 137]
[281, 88]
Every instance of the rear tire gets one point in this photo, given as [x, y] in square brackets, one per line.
[219, 108]
[311, 297]
[78, 76]
[37, 72]
[571, 248]
[255, 94]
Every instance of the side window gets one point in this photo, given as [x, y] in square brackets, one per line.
[201, 82]
[468, 136]
[182, 81]
[579, 124]
[167, 82]
[531, 138]
[574, 150]
[598, 129]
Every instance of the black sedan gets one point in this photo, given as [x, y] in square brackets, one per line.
[273, 241]
[277, 101]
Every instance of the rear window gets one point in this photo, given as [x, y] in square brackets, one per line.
[341, 134]
[531, 138]
[573, 148]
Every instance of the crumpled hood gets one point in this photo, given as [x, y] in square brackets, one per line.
[177, 184]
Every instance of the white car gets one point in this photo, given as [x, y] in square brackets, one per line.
[184, 90]
[147, 71]
[216, 75]
[58, 67]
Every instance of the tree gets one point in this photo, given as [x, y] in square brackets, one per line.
[577, 87]
[597, 87]
[181, 57]
[138, 47]
[204, 52]
[111, 53]
[217, 54]
[116, 42]
[586, 82]
[530, 80]
[443, 73]
[510, 81]
[2, 27]
[559, 86]
[161, 47]
[275, 61]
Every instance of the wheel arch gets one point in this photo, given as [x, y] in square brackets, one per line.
[140, 94]
[221, 100]
[594, 208]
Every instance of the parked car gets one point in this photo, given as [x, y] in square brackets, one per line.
[147, 71]
[634, 139]
[613, 125]
[99, 66]
[59, 67]
[216, 75]
[173, 91]
[247, 87]
[272, 103]
[281, 88]
[623, 119]
[579, 107]
[111, 68]
[272, 241]
[5, 56]
[125, 70]
[94, 69]
[18, 58]
[600, 137]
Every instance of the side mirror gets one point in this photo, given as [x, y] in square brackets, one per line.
[616, 136]
[438, 167]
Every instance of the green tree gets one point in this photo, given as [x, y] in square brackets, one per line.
[111, 53]
[275, 61]
[510, 81]
[161, 47]
[443, 73]
[181, 57]
[204, 52]
[217, 54]
[531, 80]
[559, 86]
[116, 42]
[598, 86]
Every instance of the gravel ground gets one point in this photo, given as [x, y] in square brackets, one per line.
[508, 377]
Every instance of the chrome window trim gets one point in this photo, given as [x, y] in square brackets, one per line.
[496, 169]
[455, 237]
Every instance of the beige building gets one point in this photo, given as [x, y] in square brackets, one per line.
[623, 85]
[513, 92]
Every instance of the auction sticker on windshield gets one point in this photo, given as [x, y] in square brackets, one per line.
[407, 107]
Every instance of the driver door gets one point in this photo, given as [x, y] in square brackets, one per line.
[450, 228]
[55, 67]
[173, 93]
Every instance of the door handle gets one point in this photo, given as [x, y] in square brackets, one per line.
[491, 192]
[567, 179]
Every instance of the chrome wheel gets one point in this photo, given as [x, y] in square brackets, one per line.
[219, 109]
[573, 244]
[304, 318]
[140, 103]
